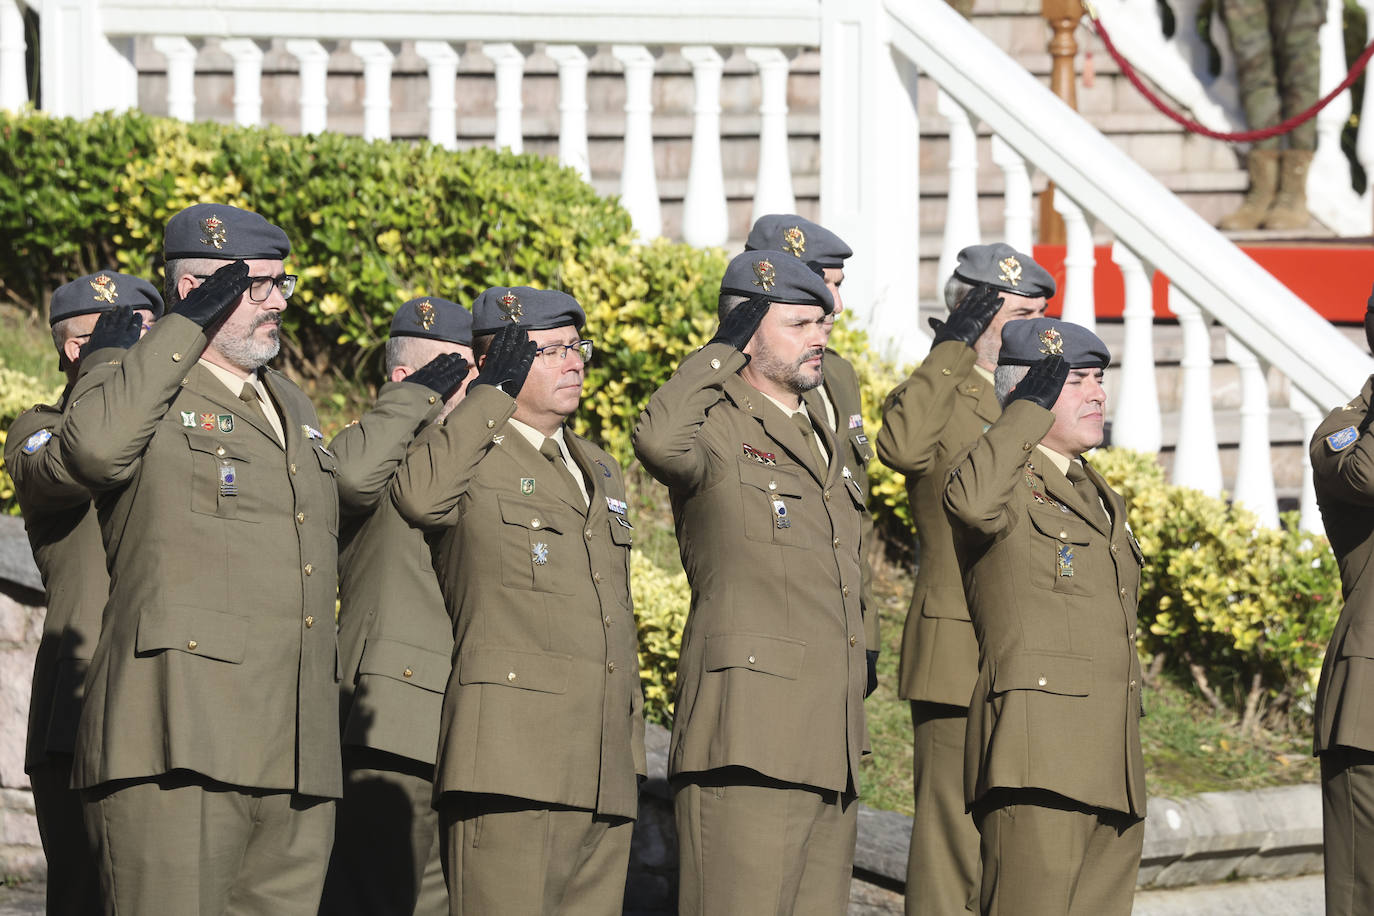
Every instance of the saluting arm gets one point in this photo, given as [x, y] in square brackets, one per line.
[979, 488]
[41, 477]
[918, 409]
[369, 451]
[1342, 451]
[668, 437]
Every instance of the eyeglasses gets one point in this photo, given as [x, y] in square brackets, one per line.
[553, 355]
[261, 287]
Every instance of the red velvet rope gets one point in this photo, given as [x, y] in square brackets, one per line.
[1243, 136]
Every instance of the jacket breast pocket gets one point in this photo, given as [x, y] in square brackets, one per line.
[863, 449]
[1047, 672]
[223, 480]
[1059, 553]
[772, 503]
[534, 548]
[193, 631]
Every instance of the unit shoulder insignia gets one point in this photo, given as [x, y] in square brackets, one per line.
[1339, 441]
[39, 439]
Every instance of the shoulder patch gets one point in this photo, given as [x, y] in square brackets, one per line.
[1343, 439]
[39, 439]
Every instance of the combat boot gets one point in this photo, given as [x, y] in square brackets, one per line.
[1263, 165]
[1289, 210]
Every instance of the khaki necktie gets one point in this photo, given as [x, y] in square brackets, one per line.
[1087, 492]
[251, 405]
[808, 432]
[551, 451]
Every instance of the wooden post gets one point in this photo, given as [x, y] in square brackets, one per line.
[1063, 17]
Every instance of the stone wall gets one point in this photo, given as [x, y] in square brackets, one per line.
[21, 625]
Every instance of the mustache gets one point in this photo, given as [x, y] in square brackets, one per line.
[272, 318]
[811, 354]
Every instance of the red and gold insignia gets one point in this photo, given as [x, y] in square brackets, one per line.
[424, 313]
[794, 240]
[1011, 270]
[1051, 342]
[765, 275]
[209, 421]
[510, 304]
[213, 230]
[105, 289]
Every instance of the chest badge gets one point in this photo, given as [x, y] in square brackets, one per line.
[527, 485]
[225, 421]
[188, 418]
[540, 554]
[1064, 563]
[209, 421]
[228, 480]
[856, 421]
[780, 517]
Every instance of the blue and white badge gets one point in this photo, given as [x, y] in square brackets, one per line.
[618, 506]
[1343, 439]
[228, 480]
[311, 432]
[780, 514]
[39, 439]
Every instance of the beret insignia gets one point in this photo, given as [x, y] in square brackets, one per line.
[424, 314]
[765, 275]
[1010, 270]
[1051, 342]
[213, 233]
[794, 240]
[1343, 439]
[105, 289]
[510, 304]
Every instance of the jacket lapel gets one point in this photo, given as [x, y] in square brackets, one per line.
[204, 383]
[596, 489]
[829, 437]
[1058, 486]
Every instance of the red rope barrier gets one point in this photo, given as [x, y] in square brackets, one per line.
[1243, 136]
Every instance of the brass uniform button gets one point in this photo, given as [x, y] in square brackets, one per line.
[293, 470]
[491, 424]
[853, 640]
[835, 542]
[1063, 535]
[1042, 681]
[1133, 683]
[610, 666]
[511, 676]
[309, 569]
[176, 357]
[1113, 548]
[433, 399]
[300, 517]
[845, 591]
[827, 496]
[535, 523]
[1025, 446]
[587, 534]
[191, 644]
[606, 620]
[596, 577]
[309, 622]
[715, 364]
[407, 673]
[945, 372]
[772, 484]
[219, 450]
[1123, 592]
[751, 659]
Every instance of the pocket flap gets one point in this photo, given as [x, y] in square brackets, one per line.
[771, 480]
[328, 463]
[622, 532]
[406, 663]
[1063, 527]
[861, 446]
[770, 654]
[1069, 675]
[224, 447]
[526, 513]
[1358, 643]
[946, 601]
[546, 672]
[194, 631]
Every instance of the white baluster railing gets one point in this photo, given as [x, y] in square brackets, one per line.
[638, 180]
[247, 57]
[1254, 466]
[773, 183]
[1197, 462]
[313, 58]
[1136, 421]
[1016, 211]
[441, 64]
[704, 218]
[377, 59]
[961, 203]
[572, 107]
[14, 80]
[1310, 415]
[1079, 297]
[510, 106]
[1329, 194]
[181, 75]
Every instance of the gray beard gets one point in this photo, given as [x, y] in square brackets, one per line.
[245, 352]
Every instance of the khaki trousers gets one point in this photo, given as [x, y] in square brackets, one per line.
[942, 868]
[180, 843]
[386, 858]
[515, 857]
[752, 846]
[1348, 829]
[73, 878]
[1046, 855]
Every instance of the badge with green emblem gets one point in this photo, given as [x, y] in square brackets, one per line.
[527, 485]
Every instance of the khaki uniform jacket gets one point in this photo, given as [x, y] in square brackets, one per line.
[217, 653]
[772, 668]
[544, 701]
[395, 639]
[1052, 593]
[1344, 478]
[842, 385]
[65, 536]
[929, 420]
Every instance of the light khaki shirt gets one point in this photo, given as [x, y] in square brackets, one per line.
[234, 383]
[536, 438]
[801, 409]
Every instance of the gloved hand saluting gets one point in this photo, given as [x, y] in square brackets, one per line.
[119, 328]
[442, 374]
[215, 296]
[970, 318]
[1042, 383]
[738, 326]
[508, 361]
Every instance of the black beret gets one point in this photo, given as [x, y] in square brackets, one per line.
[1025, 343]
[778, 277]
[1003, 267]
[224, 233]
[530, 308]
[811, 242]
[434, 318]
[100, 292]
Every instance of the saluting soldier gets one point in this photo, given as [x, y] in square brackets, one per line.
[928, 420]
[394, 633]
[65, 537]
[541, 736]
[1342, 452]
[825, 253]
[1053, 771]
[208, 747]
[769, 720]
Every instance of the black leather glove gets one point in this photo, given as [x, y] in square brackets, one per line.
[738, 326]
[442, 374]
[970, 318]
[120, 328]
[508, 361]
[872, 657]
[1042, 383]
[1369, 321]
[216, 295]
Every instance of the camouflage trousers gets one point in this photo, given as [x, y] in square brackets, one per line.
[1277, 63]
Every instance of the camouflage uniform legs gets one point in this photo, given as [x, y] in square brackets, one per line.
[1277, 63]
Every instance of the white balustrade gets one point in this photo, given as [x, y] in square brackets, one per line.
[377, 58]
[181, 75]
[1136, 421]
[1197, 462]
[773, 184]
[572, 107]
[961, 205]
[247, 57]
[1017, 196]
[313, 58]
[1254, 486]
[441, 63]
[638, 182]
[705, 220]
[1310, 415]
[1330, 197]
[14, 78]
[510, 107]
[1079, 298]
[1364, 141]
